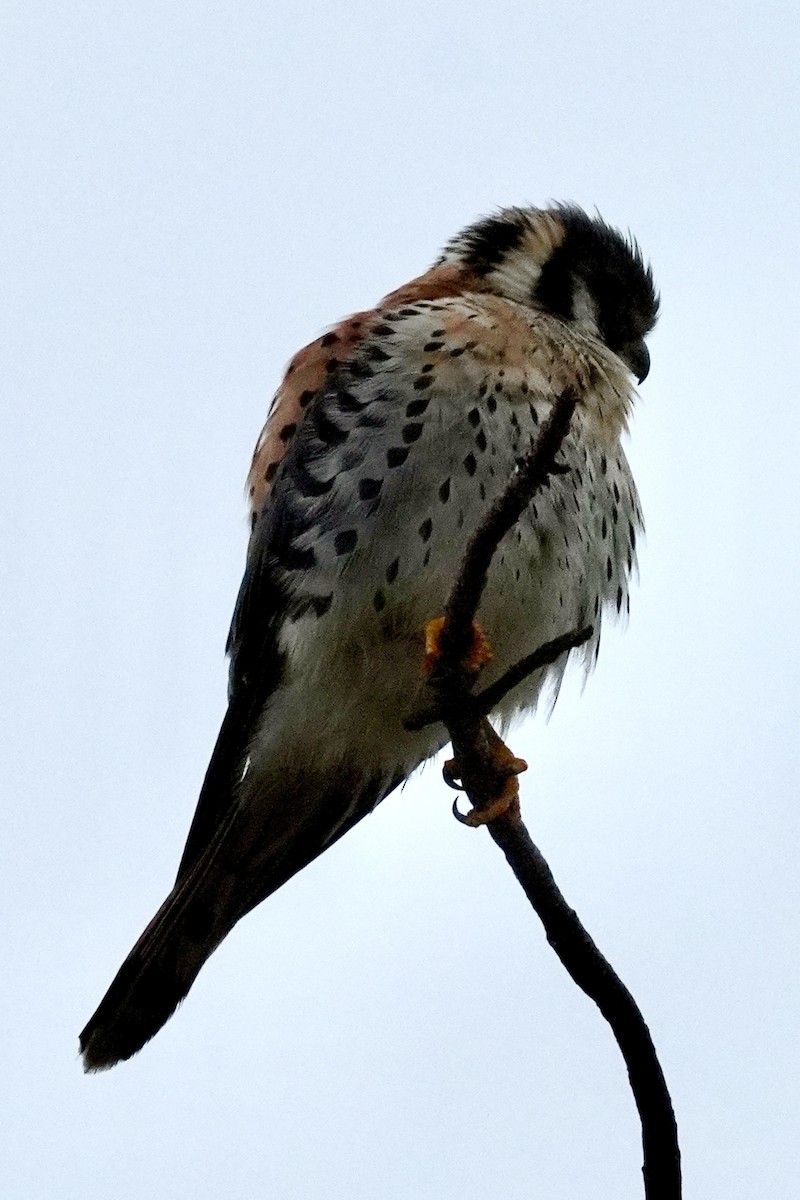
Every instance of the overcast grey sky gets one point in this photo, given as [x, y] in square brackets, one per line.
[190, 193]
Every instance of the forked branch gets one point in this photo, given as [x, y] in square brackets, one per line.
[487, 771]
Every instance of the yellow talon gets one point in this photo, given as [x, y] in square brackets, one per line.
[479, 651]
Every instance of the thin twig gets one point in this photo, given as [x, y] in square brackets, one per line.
[533, 472]
[488, 771]
[481, 704]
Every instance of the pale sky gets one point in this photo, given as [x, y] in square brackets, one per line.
[190, 194]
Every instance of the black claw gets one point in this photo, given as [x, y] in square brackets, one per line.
[462, 820]
[450, 778]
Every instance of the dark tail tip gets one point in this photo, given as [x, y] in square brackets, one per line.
[141, 999]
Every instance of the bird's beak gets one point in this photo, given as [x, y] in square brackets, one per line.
[636, 356]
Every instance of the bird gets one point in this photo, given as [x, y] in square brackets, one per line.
[389, 437]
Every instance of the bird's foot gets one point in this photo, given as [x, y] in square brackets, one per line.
[478, 652]
[505, 767]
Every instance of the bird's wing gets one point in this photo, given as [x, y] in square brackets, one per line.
[261, 607]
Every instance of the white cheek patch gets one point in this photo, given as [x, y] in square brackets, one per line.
[584, 309]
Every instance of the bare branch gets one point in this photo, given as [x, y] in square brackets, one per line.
[534, 471]
[490, 697]
[488, 771]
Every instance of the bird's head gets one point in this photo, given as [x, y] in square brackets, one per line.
[571, 265]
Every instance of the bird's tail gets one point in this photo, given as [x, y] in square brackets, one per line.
[164, 963]
[254, 850]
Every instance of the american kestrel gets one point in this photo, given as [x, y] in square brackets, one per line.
[388, 439]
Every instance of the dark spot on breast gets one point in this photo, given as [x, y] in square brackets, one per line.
[437, 333]
[616, 493]
[331, 365]
[474, 417]
[444, 491]
[379, 601]
[498, 387]
[459, 350]
[368, 488]
[415, 408]
[407, 312]
[396, 455]
[483, 389]
[614, 513]
[426, 560]
[604, 528]
[288, 431]
[391, 571]
[253, 520]
[412, 432]
[345, 541]
[306, 397]
[524, 387]
[427, 368]
[604, 464]
[609, 569]
[422, 382]
[269, 474]
[425, 529]
[376, 354]
[534, 414]
[471, 463]
[329, 339]
[383, 331]
[491, 404]
[480, 440]
[430, 347]
[619, 599]
[632, 535]
[482, 490]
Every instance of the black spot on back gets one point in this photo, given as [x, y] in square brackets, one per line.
[368, 488]
[296, 559]
[328, 431]
[345, 541]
